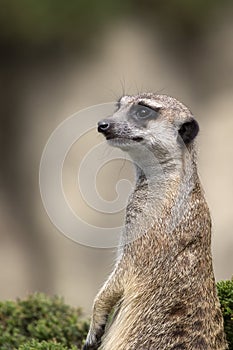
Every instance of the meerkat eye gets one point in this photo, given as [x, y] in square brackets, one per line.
[143, 112]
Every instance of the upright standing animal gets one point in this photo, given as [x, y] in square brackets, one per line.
[163, 286]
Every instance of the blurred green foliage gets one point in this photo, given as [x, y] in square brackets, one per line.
[37, 319]
[225, 293]
[44, 345]
[46, 22]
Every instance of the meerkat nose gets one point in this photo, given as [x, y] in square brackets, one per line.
[103, 126]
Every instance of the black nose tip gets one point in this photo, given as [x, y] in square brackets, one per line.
[103, 126]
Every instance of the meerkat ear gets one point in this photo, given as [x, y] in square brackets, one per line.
[188, 131]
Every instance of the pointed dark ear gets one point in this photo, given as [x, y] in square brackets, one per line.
[188, 131]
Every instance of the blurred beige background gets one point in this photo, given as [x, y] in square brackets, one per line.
[186, 52]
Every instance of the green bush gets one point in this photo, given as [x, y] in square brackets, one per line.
[46, 323]
[225, 293]
[44, 345]
[38, 319]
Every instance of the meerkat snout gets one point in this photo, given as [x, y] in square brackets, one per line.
[103, 126]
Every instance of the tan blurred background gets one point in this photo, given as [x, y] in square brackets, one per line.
[59, 57]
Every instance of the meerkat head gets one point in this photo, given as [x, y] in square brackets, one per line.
[158, 123]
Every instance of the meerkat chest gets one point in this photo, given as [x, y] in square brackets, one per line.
[141, 213]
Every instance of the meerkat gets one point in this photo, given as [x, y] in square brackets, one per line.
[163, 287]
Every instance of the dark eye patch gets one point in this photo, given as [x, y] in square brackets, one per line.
[142, 113]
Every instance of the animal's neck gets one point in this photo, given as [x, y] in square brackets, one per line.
[162, 190]
[167, 177]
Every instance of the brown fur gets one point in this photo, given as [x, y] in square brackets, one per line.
[163, 284]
